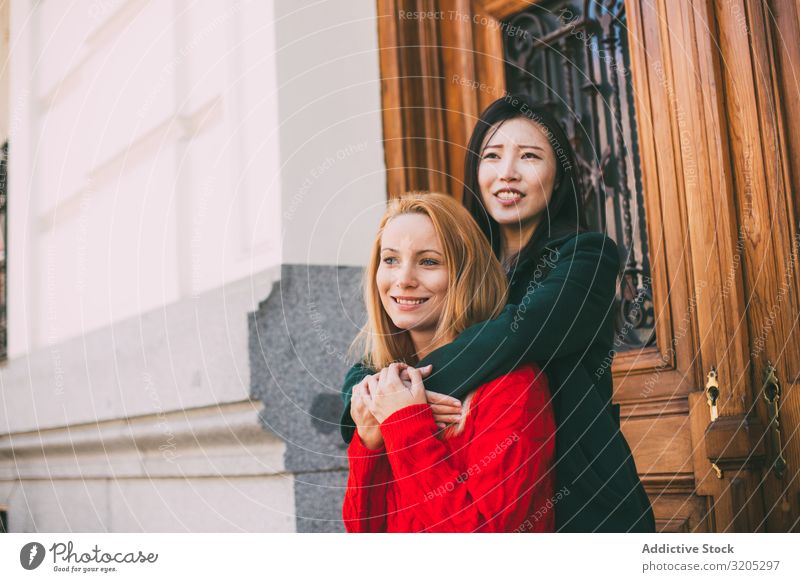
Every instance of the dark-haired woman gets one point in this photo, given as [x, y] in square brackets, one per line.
[521, 186]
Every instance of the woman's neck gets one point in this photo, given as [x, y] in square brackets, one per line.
[515, 237]
[424, 342]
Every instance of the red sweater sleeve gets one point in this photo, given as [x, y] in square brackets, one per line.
[364, 509]
[508, 457]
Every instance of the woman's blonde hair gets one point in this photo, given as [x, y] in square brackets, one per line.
[476, 289]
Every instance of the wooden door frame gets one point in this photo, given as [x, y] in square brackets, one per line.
[428, 57]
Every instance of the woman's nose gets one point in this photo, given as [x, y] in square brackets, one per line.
[406, 277]
[508, 169]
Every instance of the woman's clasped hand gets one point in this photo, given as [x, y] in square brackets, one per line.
[380, 395]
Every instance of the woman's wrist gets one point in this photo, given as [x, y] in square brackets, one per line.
[372, 441]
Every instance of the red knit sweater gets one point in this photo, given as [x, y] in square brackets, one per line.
[496, 476]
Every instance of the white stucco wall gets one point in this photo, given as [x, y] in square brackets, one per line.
[140, 154]
[165, 159]
[145, 163]
[332, 160]
[161, 149]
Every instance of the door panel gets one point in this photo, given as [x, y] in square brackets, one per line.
[764, 88]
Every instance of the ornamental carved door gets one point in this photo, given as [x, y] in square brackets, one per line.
[685, 116]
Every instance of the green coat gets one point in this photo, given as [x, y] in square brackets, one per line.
[560, 314]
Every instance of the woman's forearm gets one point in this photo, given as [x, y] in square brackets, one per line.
[364, 508]
[561, 315]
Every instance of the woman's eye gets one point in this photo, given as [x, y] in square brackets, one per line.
[388, 260]
[530, 156]
[491, 155]
[429, 262]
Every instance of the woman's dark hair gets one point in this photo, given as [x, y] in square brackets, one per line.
[564, 214]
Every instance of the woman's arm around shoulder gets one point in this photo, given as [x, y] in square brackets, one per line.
[560, 314]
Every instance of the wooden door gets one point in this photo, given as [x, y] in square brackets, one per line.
[760, 45]
[705, 190]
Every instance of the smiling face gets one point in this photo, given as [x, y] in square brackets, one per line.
[517, 173]
[412, 276]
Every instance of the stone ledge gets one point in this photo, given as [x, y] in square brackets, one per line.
[188, 354]
[213, 441]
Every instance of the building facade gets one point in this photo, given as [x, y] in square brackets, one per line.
[172, 165]
[193, 187]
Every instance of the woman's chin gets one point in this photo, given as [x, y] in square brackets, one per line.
[511, 216]
[405, 323]
[408, 322]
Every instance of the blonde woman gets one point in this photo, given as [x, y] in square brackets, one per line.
[431, 275]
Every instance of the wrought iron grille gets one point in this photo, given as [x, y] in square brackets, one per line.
[573, 58]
